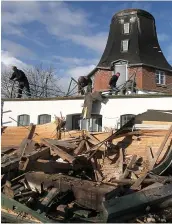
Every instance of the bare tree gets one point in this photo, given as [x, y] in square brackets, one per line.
[43, 83]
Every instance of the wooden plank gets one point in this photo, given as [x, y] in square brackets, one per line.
[87, 193]
[138, 182]
[128, 181]
[80, 148]
[14, 163]
[51, 167]
[129, 167]
[97, 172]
[87, 146]
[160, 148]
[32, 131]
[92, 137]
[117, 134]
[50, 196]
[164, 164]
[118, 209]
[150, 156]
[64, 155]
[121, 161]
[62, 143]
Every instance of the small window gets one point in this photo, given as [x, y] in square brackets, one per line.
[23, 120]
[160, 77]
[44, 118]
[93, 124]
[126, 28]
[125, 118]
[124, 45]
[76, 122]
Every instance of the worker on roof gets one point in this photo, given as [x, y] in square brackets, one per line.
[84, 81]
[113, 81]
[20, 77]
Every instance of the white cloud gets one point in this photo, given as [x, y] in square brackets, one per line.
[96, 42]
[163, 37]
[16, 50]
[80, 70]
[72, 61]
[59, 19]
[7, 60]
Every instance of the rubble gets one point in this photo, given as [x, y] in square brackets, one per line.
[89, 177]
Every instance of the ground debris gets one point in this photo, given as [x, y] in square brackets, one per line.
[91, 177]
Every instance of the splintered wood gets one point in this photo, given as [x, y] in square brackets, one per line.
[113, 157]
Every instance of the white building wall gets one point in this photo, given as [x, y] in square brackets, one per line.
[111, 111]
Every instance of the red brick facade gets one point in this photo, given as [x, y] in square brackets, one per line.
[101, 80]
[145, 79]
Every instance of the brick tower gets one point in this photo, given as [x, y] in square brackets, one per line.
[132, 48]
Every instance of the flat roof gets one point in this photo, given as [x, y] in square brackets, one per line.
[82, 97]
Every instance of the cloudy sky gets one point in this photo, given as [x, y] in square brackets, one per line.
[70, 36]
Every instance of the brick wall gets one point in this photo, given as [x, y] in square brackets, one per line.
[145, 79]
[138, 72]
[149, 81]
[101, 80]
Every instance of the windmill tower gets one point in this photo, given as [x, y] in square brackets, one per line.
[132, 47]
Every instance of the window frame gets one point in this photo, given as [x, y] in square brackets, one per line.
[128, 28]
[125, 116]
[19, 122]
[88, 123]
[43, 115]
[160, 73]
[122, 50]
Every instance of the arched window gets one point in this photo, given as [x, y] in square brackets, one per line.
[44, 118]
[23, 120]
[125, 118]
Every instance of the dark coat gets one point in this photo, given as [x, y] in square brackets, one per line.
[84, 81]
[19, 76]
[113, 80]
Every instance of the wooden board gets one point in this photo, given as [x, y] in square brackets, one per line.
[157, 122]
[15, 135]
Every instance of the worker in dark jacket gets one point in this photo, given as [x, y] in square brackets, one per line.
[84, 81]
[113, 80]
[20, 77]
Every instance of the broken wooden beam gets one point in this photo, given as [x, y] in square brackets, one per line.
[125, 181]
[129, 167]
[87, 193]
[51, 167]
[156, 156]
[13, 164]
[97, 172]
[117, 134]
[121, 161]
[62, 154]
[80, 148]
[138, 182]
[119, 208]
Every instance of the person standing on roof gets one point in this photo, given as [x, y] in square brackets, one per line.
[20, 77]
[84, 81]
[113, 81]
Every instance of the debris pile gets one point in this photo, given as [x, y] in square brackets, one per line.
[85, 179]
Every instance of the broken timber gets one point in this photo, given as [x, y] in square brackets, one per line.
[117, 209]
[87, 193]
[138, 182]
[62, 154]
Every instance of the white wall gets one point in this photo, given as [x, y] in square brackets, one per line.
[110, 111]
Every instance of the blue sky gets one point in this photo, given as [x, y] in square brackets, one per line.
[70, 36]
